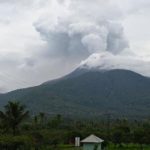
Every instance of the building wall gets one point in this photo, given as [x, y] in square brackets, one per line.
[88, 146]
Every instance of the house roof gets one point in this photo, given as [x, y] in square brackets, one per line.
[92, 139]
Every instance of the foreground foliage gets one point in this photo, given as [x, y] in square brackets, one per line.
[19, 131]
[13, 115]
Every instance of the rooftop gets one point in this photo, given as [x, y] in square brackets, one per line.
[92, 139]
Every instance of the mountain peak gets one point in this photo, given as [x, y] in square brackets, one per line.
[96, 92]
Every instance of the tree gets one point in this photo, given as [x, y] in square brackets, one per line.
[55, 122]
[37, 140]
[42, 118]
[117, 137]
[139, 137]
[13, 115]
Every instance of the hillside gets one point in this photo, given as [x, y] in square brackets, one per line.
[118, 92]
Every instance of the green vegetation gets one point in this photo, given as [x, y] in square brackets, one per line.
[20, 131]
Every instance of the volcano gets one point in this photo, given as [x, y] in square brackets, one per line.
[88, 93]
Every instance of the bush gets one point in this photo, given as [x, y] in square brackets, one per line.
[15, 142]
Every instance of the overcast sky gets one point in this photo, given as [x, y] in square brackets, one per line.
[45, 39]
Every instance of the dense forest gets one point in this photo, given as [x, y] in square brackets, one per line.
[21, 131]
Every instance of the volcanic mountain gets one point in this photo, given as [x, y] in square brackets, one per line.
[88, 93]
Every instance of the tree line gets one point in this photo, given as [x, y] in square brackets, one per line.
[21, 131]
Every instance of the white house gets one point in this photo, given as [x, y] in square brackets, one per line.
[92, 142]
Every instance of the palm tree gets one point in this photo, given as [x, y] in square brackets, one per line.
[13, 115]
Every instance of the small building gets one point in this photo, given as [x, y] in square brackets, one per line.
[77, 141]
[92, 142]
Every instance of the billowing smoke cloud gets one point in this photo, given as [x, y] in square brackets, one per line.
[107, 61]
[83, 39]
[77, 33]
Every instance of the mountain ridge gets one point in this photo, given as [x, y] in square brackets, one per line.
[118, 92]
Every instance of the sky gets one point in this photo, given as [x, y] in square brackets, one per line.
[45, 39]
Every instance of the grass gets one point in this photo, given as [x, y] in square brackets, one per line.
[128, 147]
[110, 147]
